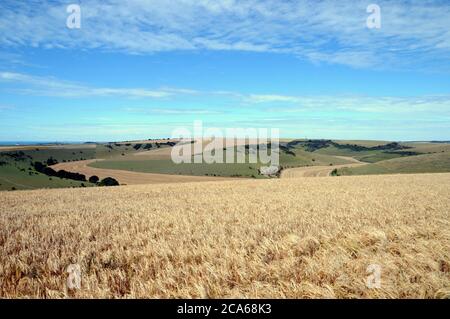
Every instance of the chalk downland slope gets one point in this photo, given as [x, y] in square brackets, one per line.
[292, 238]
[426, 163]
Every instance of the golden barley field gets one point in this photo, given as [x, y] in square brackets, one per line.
[281, 238]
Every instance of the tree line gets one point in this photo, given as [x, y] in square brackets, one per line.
[44, 169]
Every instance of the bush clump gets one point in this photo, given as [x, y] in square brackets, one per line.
[108, 181]
[93, 179]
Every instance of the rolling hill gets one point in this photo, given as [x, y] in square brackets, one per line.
[426, 163]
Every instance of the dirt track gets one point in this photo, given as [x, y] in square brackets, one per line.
[128, 177]
[318, 171]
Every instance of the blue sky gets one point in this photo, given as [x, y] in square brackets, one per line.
[140, 69]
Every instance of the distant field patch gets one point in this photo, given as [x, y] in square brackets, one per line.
[168, 167]
[427, 163]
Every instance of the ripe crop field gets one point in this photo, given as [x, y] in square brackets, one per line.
[280, 238]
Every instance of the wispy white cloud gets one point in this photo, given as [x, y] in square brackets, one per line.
[432, 105]
[50, 86]
[6, 107]
[413, 33]
[269, 98]
[8, 59]
[172, 111]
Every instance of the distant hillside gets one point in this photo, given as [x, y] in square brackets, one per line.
[426, 163]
